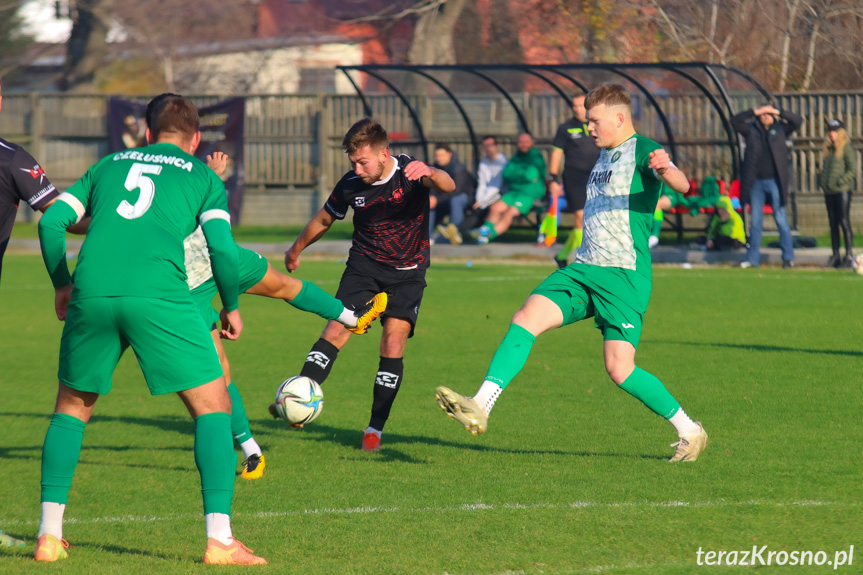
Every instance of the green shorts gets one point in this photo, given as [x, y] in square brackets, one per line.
[614, 297]
[253, 268]
[524, 202]
[172, 344]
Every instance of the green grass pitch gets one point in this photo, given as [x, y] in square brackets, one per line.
[571, 476]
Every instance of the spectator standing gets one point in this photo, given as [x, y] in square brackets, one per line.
[836, 180]
[765, 174]
[524, 177]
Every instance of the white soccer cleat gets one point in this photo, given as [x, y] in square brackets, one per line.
[463, 409]
[689, 448]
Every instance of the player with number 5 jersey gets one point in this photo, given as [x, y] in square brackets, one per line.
[130, 290]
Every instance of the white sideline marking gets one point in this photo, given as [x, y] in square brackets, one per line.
[465, 507]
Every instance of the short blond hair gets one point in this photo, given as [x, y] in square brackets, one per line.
[608, 94]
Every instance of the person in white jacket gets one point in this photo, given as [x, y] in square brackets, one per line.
[489, 182]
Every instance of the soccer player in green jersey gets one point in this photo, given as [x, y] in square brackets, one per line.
[610, 279]
[258, 277]
[130, 290]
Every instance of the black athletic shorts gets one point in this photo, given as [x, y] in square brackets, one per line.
[365, 277]
[575, 190]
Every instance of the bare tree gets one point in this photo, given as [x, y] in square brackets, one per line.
[170, 30]
[87, 48]
[794, 7]
[432, 41]
[819, 12]
[13, 41]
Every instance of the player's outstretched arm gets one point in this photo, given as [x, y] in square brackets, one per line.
[314, 230]
[431, 177]
[667, 172]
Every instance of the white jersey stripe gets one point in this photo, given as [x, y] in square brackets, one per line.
[214, 215]
[73, 203]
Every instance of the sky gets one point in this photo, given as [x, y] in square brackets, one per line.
[41, 22]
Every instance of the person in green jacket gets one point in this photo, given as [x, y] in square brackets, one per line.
[725, 231]
[836, 179]
[524, 178]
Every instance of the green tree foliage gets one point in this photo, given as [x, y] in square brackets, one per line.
[13, 41]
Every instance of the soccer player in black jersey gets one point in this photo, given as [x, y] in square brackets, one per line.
[390, 252]
[21, 178]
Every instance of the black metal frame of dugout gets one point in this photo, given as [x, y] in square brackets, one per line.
[567, 79]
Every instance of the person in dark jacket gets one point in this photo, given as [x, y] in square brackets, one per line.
[454, 204]
[766, 175]
[836, 179]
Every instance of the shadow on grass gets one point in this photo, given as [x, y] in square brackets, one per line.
[761, 348]
[175, 423]
[118, 550]
[351, 438]
[34, 453]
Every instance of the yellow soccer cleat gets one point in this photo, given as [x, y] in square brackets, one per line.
[369, 312]
[253, 466]
[234, 554]
[7, 540]
[463, 409]
[689, 448]
[49, 548]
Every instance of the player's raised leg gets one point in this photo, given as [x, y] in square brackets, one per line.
[620, 364]
[308, 297]
[538, 315]
[60, 453]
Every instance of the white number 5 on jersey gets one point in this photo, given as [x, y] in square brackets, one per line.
[135, 180]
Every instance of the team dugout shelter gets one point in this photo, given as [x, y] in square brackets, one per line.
[685, 107]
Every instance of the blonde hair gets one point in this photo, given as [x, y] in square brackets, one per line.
[608, 94]
[839, 144]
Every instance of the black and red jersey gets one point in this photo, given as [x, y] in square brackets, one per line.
[390, 216]
[21, 178]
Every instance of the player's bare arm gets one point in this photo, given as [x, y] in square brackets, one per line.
[667, 172]
[554, 169]
[232, 324]
[432, 177]
[314, 230]
[61, 301]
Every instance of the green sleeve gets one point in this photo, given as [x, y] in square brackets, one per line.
[69, 208]
[850, 166]
[643, 147]
[224, 261]
[52, 240]
[540, 165]
[715, 223]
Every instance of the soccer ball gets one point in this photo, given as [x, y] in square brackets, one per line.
[299, 400]
[857, 264]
